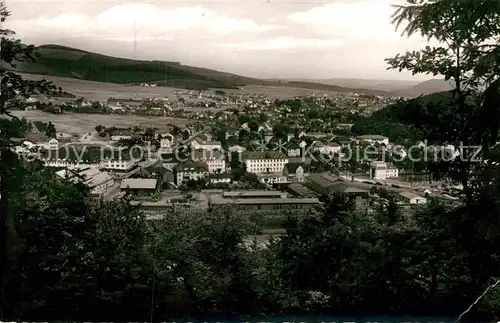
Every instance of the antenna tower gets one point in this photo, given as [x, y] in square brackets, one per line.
[135, 50]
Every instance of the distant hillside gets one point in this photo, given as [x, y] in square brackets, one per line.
[372, 84]
[403, 88]
[426, 87]
[62, 61]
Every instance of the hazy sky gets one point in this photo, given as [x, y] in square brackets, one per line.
[271, 39]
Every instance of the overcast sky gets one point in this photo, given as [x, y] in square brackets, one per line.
[269, 39]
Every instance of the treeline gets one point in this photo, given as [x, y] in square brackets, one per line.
[432, 117]
[71, 257]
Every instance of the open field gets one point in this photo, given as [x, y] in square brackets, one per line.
[82, 123]
[95, 91]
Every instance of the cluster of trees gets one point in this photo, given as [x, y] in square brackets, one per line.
[67, 256]
[15, 128]
[70, 257]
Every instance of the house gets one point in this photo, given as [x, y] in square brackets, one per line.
[327, 148]
[381, 170]
[272, 178]
[237, 149]
[265, 162]
[140, 186]
[324, 184]
[373, 139]
[294, 150]
[295, 172]
[217, 178]
[97, 181]
[119, 164]
[214, 159]
[411, 198]
[161, 173]
[209, 145]
[53, 144]
[190, 170]
[166, 141]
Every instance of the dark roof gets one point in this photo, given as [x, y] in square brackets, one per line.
[253, 201]
[191, 165]
[264, 155]
[301, 190]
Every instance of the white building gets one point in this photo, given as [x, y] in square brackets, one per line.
[166, 142]
[214, 159]
[410, 198]
[328, 149]
[118, 164]
[220, 179]
[98, 182]
[265, 162]
[53, 144]
[373, 139]
[272, 178]
[381, 170]
[190, 171]
[212, 145]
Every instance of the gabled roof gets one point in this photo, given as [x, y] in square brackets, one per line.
[138, 183]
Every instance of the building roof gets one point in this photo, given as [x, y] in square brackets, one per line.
[354, 190]
[264, 155]
[191, 166]
[324, 180]
[253, 193]
[375, 137]
[254, 201]
[138, 183]
[98, 179]
[410, 195]
[300, 189]
[203, 154]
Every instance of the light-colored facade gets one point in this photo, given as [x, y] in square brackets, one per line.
[118, 164]
[381, 170]
[272, 178]
[214, 159]
[373, 139]
[265, 162]
[190, 171]
[410, 198]
[53, 144]
[214, 145]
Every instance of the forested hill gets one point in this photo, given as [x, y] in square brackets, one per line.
[62, 61]
[414, 119]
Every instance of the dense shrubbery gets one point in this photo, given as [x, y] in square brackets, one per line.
[74, 258]
[428, 117]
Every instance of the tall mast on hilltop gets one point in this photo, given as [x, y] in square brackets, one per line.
[135, 50]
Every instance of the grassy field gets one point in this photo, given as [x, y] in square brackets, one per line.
[83, 123]
[97, 91]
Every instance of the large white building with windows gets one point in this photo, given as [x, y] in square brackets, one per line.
[381, 170]
[265, 162]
